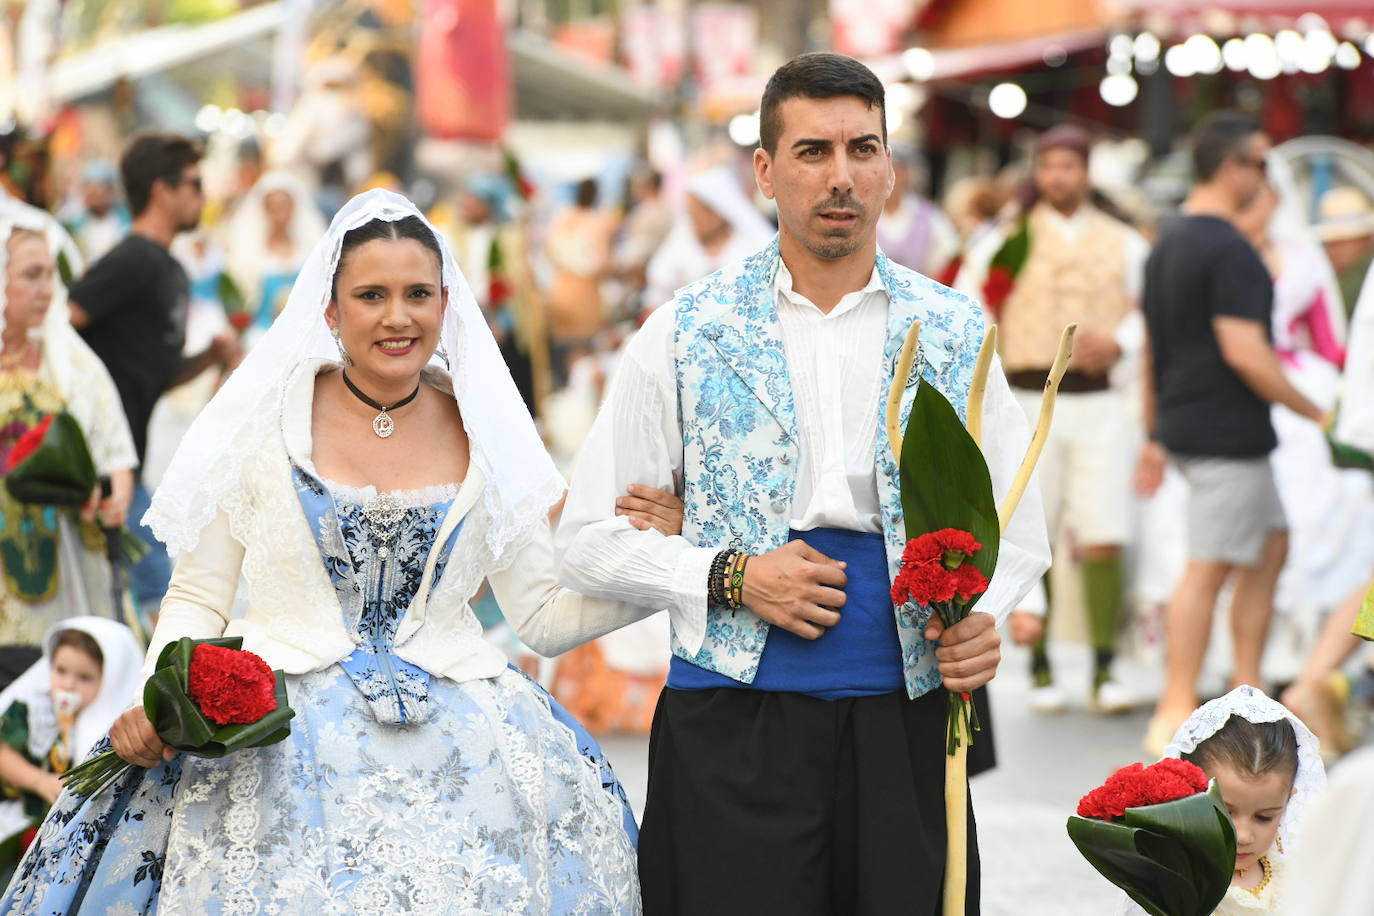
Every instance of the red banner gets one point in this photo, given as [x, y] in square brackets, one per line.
[463, 82]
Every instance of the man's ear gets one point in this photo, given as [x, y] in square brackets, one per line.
[763, 171]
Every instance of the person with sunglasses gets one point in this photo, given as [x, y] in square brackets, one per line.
[1211, 376]
[131, 307]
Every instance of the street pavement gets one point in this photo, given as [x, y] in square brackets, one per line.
[1045, 764]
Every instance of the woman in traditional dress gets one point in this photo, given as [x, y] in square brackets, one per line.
[269, 236]
[363, 500]
[54, 560]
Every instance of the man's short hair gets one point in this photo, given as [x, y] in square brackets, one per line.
[818, 75]
[151, 157]
[1219, 136]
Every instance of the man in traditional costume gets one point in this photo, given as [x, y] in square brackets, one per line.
[1062, 259]
[798, 752]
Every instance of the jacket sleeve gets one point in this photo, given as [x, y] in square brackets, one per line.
[548, 618]
[201, 592]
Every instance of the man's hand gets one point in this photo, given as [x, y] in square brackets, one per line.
[137, 742]
[969, 651]
[648, 507]
[1094, 353]
[1026, 628]
[225, 350]
[1149, 469]
[796, 587]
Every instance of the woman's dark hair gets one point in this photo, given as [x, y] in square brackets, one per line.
[1250, 748]
[409, 227]
[586, 193]
[154, 157]
[81, 641]
[818, 75]
[1220, 135]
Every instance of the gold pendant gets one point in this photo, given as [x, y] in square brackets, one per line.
[383, 425]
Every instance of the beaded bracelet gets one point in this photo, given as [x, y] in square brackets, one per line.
[716, 593]
[737, 583]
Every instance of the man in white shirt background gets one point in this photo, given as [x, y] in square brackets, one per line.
[796, 763]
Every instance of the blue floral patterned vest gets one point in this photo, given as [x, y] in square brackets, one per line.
[740, 441]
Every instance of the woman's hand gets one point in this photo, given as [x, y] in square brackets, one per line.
[47, 786]
[648, 507]
[137, 742]
[114, 510]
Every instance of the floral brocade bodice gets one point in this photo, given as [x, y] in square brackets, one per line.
[375, 548]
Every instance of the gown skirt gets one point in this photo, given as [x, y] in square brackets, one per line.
[500, 803]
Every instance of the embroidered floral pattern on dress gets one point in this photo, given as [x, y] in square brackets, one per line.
[739, 431]
[377, 574]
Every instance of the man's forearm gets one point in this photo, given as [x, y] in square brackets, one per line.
[1264, 376]
[192, 366]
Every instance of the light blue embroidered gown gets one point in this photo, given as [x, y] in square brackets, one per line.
[396, 792]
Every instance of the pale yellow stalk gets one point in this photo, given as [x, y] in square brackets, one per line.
[980, 385]
[1042, 428]
[894, 394]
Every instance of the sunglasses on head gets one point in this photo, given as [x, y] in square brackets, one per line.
[1260, 163]
[196, 184]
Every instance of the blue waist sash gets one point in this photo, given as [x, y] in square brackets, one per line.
[859, 656]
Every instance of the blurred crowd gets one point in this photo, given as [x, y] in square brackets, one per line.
[565, 272]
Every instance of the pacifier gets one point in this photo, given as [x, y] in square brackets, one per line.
[66, 703]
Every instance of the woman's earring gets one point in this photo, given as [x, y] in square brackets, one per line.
[343, 354]
[1279, 840]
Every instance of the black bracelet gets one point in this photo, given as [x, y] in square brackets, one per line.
[715, 582]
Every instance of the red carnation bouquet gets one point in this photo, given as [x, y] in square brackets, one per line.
[1162, 834]
[938, 572]
[207, 698]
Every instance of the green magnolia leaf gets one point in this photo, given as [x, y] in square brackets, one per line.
[1173, 859]
[944, 478]
[180, 723]
[60, 471]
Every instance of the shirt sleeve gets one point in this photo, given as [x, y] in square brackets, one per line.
[636, 439]
[1241, 285]
[1024, 555]
[112, 444]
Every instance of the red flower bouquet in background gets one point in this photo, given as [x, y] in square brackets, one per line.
[28, 443]
[207, 698]
[1162, 834]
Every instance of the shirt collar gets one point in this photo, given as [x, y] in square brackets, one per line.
[782, 283]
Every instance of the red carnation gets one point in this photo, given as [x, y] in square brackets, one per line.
[997, 287]
[1137, 785]
[230, 686]
[969, 581]
[925, 582]
[28, 443]
[240, 320]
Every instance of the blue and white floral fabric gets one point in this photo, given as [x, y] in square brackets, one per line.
[740, 441]
[396, 792]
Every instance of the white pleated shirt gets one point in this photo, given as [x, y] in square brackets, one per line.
[835, 360]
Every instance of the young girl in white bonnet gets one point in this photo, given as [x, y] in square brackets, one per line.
[55, 712]
[1268, 767]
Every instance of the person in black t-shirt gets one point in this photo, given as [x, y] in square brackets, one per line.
[1212, 375]
[130, 307]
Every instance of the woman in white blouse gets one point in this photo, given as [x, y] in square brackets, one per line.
[54, 560]
[363, 501]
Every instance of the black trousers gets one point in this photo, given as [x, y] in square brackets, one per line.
[777, 803]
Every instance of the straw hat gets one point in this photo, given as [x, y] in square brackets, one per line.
[1345, 214]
